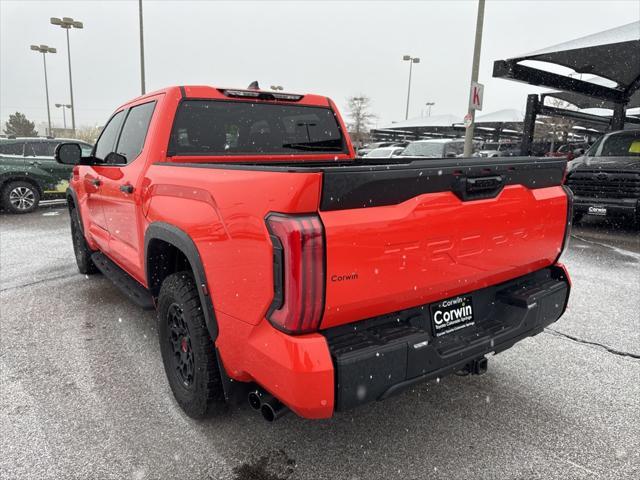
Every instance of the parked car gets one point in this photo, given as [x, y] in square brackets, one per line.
[29, 172]
[435, 148]
[287, 273]
[498, 149]
[362, 151]
[606, 180]
[384, 152]
[569, 150]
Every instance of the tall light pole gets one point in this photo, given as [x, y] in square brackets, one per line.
[142, 85]
[411, 60]
[429, 105]
[64, 107]
[468, 136]
[68, 23]
[44, 49]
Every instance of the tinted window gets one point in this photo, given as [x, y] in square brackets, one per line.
[11, 148]
[107, 140]
[624, 144]
[228, 128]
[134, 131]
[40, 149]
[454, 148]
[86, 149]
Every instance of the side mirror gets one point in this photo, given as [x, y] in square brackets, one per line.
[115, 159]
[68, 154]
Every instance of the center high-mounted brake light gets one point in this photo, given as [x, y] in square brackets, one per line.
[290, 97]
[298, 274]
[242, 93]
[287, 96]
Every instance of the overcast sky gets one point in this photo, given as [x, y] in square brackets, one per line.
[331, 48]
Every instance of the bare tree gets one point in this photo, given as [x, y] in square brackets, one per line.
[361, 118]
[88, 134]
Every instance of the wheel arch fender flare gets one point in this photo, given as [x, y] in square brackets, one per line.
[72, 199]
[179, 239]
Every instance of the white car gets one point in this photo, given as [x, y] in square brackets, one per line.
[384, 152]
[435, 148]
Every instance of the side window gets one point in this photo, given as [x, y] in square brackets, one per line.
[135, 131]
[107, 140]
[11, 148]
[86, 150]
[452, 148]
[40, 149]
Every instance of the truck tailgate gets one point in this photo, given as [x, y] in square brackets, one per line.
[400, 236]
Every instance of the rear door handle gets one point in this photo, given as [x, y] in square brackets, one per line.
[126, 188]
[34, 162]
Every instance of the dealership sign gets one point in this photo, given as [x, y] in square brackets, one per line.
[475, 99]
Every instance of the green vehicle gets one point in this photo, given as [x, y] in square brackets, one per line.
[29, 173]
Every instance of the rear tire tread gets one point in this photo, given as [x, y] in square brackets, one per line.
[208, 397]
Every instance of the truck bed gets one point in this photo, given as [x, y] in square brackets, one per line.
[361, 183]
[415, 231]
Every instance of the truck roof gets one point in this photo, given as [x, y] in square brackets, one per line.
[240, 94]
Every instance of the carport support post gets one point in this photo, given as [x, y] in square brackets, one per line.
[528, 129]
[617, 121]
[468, 135]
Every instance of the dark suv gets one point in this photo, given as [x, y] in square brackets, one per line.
[606, 180]
[28, 172]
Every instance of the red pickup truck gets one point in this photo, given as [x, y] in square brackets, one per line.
[287, 271]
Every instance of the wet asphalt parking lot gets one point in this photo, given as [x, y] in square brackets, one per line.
[83, 391]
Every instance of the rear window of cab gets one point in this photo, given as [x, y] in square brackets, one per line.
[216, 128]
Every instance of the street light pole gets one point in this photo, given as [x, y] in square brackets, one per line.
[468, 136]
[67, 23]
[142, 82]
[411, 60]
[429, 105]
[44, 49]
[64, 113]
[73, 113]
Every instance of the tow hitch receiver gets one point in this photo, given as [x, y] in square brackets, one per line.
[477, 366]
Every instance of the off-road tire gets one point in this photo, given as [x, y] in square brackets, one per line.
[200, 394]
[80, 248]
[20, 197]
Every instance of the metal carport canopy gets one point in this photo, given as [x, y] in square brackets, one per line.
[613, 54]
[583, 101]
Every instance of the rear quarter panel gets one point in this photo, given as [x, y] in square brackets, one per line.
[223, 212]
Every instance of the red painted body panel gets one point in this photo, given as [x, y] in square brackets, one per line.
[435, 246]
[404, 255]
[227, 226]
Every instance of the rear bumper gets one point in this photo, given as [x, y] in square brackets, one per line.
[627, 207]
[343, 367]
[379, 357]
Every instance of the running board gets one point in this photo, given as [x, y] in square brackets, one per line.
[127, 284]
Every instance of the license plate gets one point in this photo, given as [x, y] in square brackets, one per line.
[451, 315]
[597, 210]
